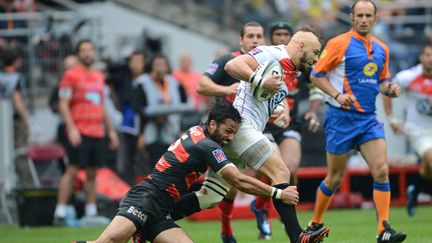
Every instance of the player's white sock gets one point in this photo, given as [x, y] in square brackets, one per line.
[90, 209]
[60, 211]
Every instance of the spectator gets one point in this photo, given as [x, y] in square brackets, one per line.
[8, 7]
[129, 127]
[12, 87]
[189, 79]
[152, 91]
[82, 108]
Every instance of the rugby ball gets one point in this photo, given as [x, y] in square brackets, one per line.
[261, 74]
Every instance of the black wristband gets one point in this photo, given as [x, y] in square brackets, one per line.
[336, 96]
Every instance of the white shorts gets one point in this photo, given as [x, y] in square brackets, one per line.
[420, 139]
[250, 147]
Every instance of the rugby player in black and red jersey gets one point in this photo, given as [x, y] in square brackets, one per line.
[146, 208]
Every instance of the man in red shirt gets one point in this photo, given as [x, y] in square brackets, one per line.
[189, 79]
[81, 106]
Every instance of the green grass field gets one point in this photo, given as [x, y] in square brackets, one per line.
[347, 226]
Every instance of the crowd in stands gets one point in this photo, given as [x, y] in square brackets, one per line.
[330, 16]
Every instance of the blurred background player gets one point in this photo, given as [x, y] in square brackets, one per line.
[352, 70]
[81, 106]
[288, 139]
[418, 119]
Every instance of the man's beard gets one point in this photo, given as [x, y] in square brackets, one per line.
[303, 67]
[217, 138]
[87, 62]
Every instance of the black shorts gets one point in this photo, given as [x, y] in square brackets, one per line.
[148, 209]
[91, 151]
[277, 134]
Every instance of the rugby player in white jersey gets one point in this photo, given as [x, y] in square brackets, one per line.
[417, 123]
[250, 147]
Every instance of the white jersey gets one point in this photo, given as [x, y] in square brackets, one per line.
[258, 112]
[419, 87]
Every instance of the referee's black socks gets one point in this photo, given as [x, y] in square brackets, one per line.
[288, 216]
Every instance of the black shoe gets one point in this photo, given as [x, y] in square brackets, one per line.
[313, 233]
[390, 235]
[228, 239]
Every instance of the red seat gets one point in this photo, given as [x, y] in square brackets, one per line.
[46, 162]
[45, 152]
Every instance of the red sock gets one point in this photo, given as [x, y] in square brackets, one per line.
[263, 202]
[226, 207]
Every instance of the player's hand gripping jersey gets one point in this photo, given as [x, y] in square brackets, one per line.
[258, 112]
[352, 72]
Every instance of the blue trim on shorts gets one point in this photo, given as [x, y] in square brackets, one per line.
[327, 191]
[384, 187]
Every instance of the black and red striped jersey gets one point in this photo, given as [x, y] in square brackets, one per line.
[216, 71]
[185, 160]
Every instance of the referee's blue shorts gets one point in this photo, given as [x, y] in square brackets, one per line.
[346, 130]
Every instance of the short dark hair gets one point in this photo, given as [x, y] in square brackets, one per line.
[79, 44]
[9, 55]
[160, 56]
[424, 46]
[249, 24]
[221, 109]
[312, 30]
[369, 1]
[136, 53]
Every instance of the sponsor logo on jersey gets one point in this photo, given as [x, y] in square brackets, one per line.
[368, 81]
[323, 54]
[370, 69]
[94, 97]
[212, 68]
[138, 213]
[277, 98]
[255, 51]
[219, 155]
